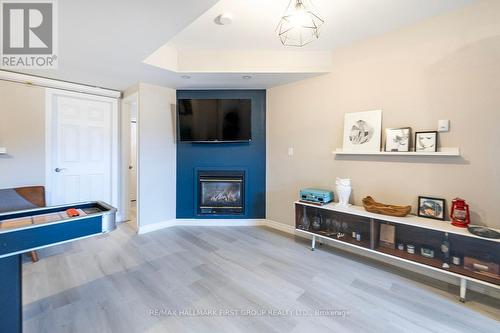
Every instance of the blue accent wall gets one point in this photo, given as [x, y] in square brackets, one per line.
[249, 157]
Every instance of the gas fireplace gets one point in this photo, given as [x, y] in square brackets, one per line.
[221, 192]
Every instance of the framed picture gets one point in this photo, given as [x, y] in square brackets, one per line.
[426, 141]
[363, 131]
[387, 237]
[433, 208]
[397, 139]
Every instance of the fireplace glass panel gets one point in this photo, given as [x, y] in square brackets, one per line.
[221, 192]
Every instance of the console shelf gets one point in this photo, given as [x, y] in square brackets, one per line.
[438, 264]
[417, 231]
[346, 239]
[412, 257]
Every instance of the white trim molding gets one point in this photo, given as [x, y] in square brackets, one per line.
[57, 84]
[217, 223]
[201, 223]
[289, 229]
[144, 229]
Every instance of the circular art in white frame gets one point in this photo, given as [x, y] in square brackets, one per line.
[363, 131]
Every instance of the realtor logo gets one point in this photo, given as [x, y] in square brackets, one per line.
[29, 31]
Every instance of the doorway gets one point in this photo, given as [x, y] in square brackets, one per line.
[133, 166]
[133, 161]
[130, 128]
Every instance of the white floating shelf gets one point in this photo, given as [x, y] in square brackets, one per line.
[449, 152]
[3, 150]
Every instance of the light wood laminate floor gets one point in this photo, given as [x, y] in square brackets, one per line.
[123, 282]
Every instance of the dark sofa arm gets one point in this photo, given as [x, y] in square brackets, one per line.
[33, 194]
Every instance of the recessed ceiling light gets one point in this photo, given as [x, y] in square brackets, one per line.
[224, 19]
[186, 77]
[246, 77]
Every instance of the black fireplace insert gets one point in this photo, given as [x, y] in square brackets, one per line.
[221, 192]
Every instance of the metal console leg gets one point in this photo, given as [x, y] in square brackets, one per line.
[463, 289]
[313, 243]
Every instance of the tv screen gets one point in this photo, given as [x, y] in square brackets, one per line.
[214, 120]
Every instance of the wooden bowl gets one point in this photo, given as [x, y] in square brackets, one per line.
[375, 207]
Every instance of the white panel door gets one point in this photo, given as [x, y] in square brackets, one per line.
[81, 147]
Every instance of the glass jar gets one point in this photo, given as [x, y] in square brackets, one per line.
[316, 223]
[305, 223]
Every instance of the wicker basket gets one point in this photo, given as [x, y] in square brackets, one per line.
[375, 207]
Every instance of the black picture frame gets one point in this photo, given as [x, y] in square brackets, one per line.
[442, 204]
[394, 129]
[424, 132]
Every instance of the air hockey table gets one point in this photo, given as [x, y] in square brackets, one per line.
[33, 229]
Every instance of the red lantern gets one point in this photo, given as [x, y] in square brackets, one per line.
[460, 216]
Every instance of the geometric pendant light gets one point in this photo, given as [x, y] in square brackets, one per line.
[299, 25]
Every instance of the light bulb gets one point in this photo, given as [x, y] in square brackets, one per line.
[299, 17]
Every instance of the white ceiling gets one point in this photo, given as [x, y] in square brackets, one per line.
[104, 43]
[346, 21]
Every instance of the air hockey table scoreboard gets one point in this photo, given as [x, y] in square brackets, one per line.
[33, 229]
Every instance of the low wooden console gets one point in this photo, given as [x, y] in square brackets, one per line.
[333, 220]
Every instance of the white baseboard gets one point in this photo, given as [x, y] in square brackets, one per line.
[217, 223]
[220, 222]
[201, 223]
[290, 229]
[120, 218]
[144, 229]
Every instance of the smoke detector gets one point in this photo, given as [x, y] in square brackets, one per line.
[224, 19]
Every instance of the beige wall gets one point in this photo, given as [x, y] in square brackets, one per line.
[445, 68]
[157, 154]
[22, 132]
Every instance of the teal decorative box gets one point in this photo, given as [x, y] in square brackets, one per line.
[316, 196]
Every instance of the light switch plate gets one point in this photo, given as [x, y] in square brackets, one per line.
[444, 126]
[290, 151]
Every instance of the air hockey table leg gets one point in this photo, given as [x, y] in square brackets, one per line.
[11, 301]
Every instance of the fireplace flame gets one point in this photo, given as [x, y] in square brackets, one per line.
[225, 196]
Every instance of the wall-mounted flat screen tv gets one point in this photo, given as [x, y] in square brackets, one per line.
[214, 120]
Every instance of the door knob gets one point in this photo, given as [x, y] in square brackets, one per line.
[59, 169]
[130, 167]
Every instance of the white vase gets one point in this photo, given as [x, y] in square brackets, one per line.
[344, 189]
